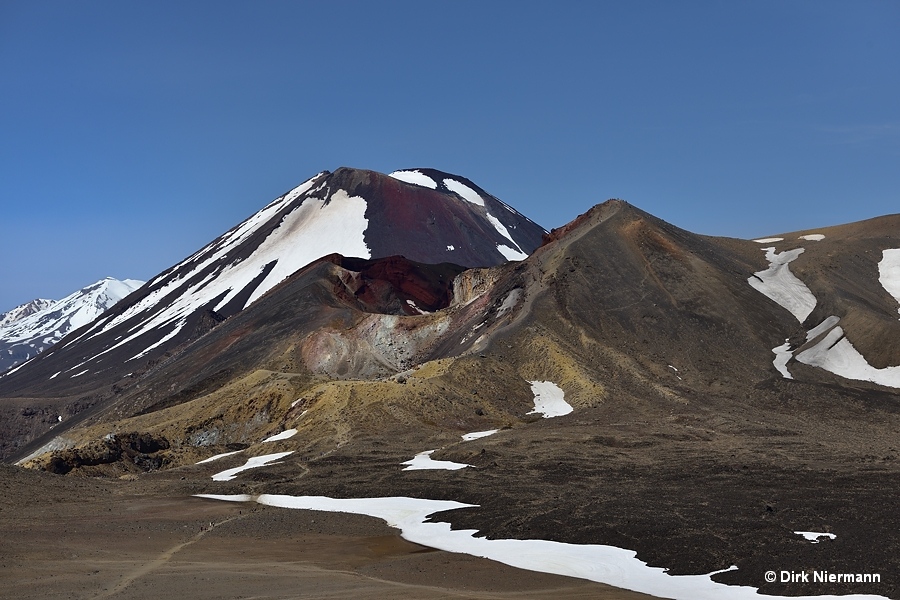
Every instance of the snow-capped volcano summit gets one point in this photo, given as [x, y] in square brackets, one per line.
[351, 212]
[34, 326]
[489, 206]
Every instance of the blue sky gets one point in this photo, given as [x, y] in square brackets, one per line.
[132, 133]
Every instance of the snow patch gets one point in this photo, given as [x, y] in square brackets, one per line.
[606, 564]
[423, 461]
[813, 237]
[464, 191]
[549, 399]
[889, 272]
[477, 435]
[218, 456]
[210, 254]
[284, 435]
[413, 306]
[780, 285]
[768, 240]
[836, 354]
[510, 253]
[252, 463]
[415, 178]
[815, 537]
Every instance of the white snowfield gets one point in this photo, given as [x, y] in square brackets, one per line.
[549, 399]
[815, 536]
[814, 237]
[284, 435]
[252, 463]
[477, 435]
[310, 230]
[836, 354]
[768, 240]
[306, 234]
[889, 272]
[780, 285]
[415, 178]
[605, 564]
[423, 461]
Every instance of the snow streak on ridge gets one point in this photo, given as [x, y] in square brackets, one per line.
[337, 225]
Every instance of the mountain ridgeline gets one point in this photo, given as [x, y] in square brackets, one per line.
[725, 393]
[31, 328]
[350, 212]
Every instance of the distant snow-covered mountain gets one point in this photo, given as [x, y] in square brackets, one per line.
[31, 328]
[24, 310]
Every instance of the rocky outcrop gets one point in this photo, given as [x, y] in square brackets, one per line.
[135, 450]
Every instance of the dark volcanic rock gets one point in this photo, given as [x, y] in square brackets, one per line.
[353, 212]
[685, 443]
[395, 285]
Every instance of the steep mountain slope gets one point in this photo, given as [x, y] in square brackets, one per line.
[352, 212]
[847, 276]
[33, 327]
[357, 213]
[686, 441]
